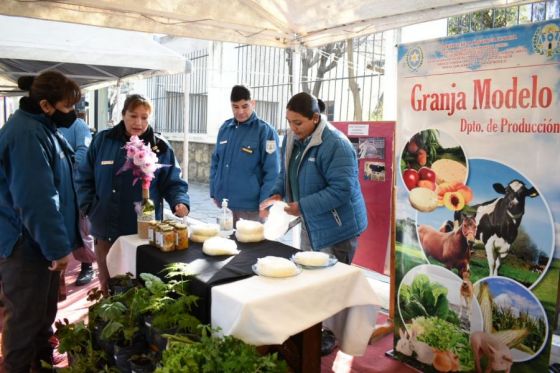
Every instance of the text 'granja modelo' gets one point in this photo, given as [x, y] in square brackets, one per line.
[485, 96]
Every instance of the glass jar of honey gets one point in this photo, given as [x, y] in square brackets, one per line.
[168, 238]
[152, 232]
[181, 236]
[158, 234]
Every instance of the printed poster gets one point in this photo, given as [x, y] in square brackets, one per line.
[478, 200]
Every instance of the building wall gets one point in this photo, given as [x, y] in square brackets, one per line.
[200, 156]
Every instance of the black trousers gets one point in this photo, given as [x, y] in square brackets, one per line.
[29, 295]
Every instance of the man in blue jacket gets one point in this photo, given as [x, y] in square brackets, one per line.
[246, 161]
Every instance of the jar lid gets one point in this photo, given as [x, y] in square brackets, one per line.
[167, 228]
[180, 226]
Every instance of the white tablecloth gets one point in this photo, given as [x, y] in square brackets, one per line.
[122, 256]
[267, 311]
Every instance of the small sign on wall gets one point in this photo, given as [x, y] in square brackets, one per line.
[358, 130]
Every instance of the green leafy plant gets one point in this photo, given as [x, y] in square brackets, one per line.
[119, 315]
[76, 340]
[169, 302]
[216, 354]
[425, 298]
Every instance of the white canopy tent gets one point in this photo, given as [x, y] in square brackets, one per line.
[87, 54]
[283, 23]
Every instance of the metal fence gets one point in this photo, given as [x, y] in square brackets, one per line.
[268, 71]
[327, 72]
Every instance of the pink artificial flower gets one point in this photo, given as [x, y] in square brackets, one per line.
[141, 160]
[139, 157]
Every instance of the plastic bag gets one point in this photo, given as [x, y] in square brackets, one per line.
[278, 222]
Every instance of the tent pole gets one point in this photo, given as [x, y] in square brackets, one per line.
[186, 113]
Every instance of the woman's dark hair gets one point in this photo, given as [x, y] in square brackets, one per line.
[304, 104]
[51, 86]
[135, 100]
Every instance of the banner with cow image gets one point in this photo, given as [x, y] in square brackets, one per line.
[478, 200]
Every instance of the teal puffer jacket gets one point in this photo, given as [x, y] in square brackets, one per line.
[330, 198]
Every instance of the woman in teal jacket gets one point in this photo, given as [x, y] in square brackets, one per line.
[38, 217]
[108, 198]
[319, 180]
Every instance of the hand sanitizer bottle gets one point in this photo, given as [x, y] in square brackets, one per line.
[226, 218]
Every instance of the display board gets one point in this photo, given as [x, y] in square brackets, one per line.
[478, 200]
[374, 144]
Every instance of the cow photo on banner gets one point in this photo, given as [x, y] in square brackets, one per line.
[478, 203]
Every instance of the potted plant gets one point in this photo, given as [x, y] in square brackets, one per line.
[76, 340]
[168, 306]
[143, 363]
[216, 354]
[116, 321]
[122, 283]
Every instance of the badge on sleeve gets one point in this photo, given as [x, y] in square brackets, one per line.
[270, 146]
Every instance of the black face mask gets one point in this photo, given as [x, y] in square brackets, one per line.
[64, 120]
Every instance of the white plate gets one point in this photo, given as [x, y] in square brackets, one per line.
[332, 261]
[255, 270]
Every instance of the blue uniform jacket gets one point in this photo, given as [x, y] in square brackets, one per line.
[245, 163]
[108, 199]
[331, 200]
[79, 137]
[37, 195]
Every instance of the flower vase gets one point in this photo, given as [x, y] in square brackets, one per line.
[146, 213]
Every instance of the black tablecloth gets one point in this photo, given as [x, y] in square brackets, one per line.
[216, 269]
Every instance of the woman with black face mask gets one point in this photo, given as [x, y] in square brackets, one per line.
[38, 217]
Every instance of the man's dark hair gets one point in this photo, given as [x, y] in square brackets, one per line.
[240, 92]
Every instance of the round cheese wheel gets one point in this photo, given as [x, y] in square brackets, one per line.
[249, 226]
[273, 266]
[312, 258]
[205, 229]
[249, 231]
[199, 238]
[249, 237]
[219, 246]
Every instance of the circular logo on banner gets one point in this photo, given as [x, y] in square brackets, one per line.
[546, 40]
[414, 58]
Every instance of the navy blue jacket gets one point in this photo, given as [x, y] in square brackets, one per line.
[109, 199]
[330, 198]
[245, 163]
[37, 195]
[79, 137]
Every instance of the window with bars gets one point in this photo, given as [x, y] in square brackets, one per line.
[267, 111]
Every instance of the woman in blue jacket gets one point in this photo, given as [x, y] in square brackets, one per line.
[108, 198]
[38, 217]
[319, 181]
